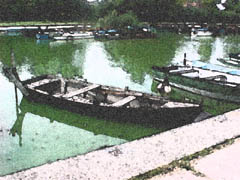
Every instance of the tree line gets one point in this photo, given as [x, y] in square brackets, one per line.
[119, 12]
[44, 10]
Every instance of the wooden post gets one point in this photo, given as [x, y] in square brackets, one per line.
[12, 75]
[17, 83]
[65, 87]
[62, 85]
[16, 97]
[14, 69]
[185, 60]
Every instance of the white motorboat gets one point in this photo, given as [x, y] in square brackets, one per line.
[201, 32]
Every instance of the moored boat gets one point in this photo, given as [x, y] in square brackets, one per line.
[13, 32]
[207, 80]
[42, 36]
[73, 36]
[107, 34]
[201, 32]
[233, 59]
[80, 96]
[231, 62]
[234, 55]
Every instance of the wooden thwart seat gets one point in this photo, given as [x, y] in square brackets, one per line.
[123, 101]
[80, 91]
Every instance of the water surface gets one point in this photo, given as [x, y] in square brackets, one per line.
[33, 134]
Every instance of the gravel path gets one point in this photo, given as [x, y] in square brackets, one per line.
[137, 157]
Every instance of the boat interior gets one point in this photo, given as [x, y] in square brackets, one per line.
[84, 92]
[208, 75]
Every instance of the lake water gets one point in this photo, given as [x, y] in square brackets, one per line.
[33, 134]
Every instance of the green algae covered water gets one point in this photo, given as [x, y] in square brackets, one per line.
[32, 134]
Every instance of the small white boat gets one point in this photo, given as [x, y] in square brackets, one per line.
[201, 32]
[73, 36]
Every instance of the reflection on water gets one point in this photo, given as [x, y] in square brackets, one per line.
[99, 68]
[31, 135]
[207, 49]
[47, 134]
[37, 140]
[43, 141]
[137, 56]
[232, 44]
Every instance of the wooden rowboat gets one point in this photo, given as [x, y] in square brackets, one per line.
[202, 80]
[80, 96]
[231, 62]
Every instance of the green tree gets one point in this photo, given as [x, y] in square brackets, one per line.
[151, 11]
[114, 20]
[54, 10]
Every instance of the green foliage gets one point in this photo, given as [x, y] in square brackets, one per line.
[151, 11]
[128, 19]
[113, 20]
[55, 10]
[208, 12]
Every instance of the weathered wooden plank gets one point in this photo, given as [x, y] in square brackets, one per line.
[184, 71]
[124, 101]
[80, 99]
[118, 92]
[42, 82]
[80, 91]
[40, 91]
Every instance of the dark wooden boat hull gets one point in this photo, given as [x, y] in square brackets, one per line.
[216, 96]
[230, 62]
[202, 86]
[174, 116]
[234, 55]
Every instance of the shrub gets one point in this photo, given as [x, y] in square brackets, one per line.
[113, 20]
